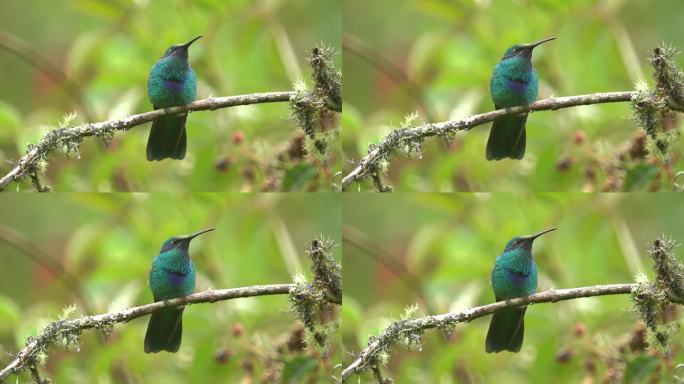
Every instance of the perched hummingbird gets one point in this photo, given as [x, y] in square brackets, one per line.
[172, 82]
[514, 82]
[172, 275]
[514, 275]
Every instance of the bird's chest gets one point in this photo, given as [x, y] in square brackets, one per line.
[167, 283]
[168, 89]
[510, 89]
[511, 281]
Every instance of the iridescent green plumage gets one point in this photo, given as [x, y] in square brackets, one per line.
[514, 275]
[172, 275]
[171, 82]
[514, 82]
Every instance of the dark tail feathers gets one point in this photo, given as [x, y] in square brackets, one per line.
[164, 331]
[167, 138]
[506, 330]
[507, 138]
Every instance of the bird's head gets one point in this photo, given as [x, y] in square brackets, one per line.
[523, 50]
[180, 50]
[524, 242]
[181, 243]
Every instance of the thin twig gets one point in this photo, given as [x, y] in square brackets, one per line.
[59, 137]
[401, 137]
[398, 330]
[60, 329]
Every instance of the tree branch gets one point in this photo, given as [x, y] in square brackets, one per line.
[400, 138]
[67, 137]
[406, 328]
[67, 329]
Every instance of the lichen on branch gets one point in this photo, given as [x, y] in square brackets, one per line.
[652, 106]
[68, 139]
[652, 299]
[316, 110]
[313, 302]
[409, 139]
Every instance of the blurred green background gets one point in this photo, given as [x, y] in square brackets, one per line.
[436, 57]
[106, 243]
[107, 47]
[437, 251]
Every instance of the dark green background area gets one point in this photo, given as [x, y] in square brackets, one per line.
[443, 247]
[448, 50]
[107, 241]
[107, 47]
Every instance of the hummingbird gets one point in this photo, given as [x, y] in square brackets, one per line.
[514, 83]
[171, 82]
[172, 275]
[514, 275]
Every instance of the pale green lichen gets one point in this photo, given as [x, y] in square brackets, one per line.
[316, 110]
[651, 299]
[652, 106]
[312, 302]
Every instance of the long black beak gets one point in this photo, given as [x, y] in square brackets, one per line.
[533, 45]
[190, 237]
[186, 45]
[532, 237]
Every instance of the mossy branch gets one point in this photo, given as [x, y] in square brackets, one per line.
[410, 329]
[410, 139]
[68, 139]
[68, 330]
[650, 299]
[316, 110]
[313, 303]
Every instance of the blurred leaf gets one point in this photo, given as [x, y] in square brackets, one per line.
[299, 368]
[107, 10]
[10, 121]
[298, 176]
[125, 105]
[9, 313]
[440, 9]
[125, 296]
[640, 369]
[641, 176]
